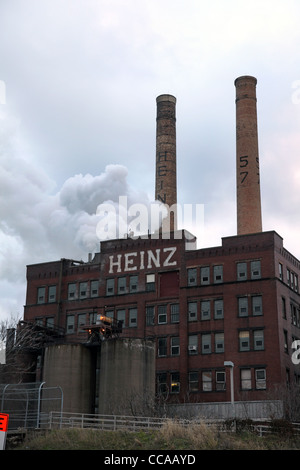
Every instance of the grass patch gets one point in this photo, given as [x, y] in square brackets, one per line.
[171, 436]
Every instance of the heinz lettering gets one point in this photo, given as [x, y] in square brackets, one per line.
[142, 260]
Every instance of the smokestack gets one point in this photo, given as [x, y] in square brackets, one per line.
[249, 218]
[165, 182]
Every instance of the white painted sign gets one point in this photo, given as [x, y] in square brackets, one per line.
[142, 260]
[3, 429]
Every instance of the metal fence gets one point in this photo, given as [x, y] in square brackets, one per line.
[28, 403]
[103, 422]
[138, 423]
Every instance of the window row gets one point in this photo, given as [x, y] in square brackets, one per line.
[76, 321]
[202, 310]
[169, 313]
[81, 290]
[208, 343]
[214, 274]
[122, 285]
[45, 295]
[162, 314]
[210, 380]
[205, 310]
[205, 274]
[291, 278]
[208, 309]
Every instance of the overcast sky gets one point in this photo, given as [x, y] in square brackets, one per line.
[78, 87]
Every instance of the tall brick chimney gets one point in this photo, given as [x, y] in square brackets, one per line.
[165, 181]
[249, 219]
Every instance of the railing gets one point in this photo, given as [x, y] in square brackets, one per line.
[103, 422]
[134, 423]
[59, 420]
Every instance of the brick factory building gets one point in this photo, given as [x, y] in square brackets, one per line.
[207, 312]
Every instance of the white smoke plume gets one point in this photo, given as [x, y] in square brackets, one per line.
[39, 224]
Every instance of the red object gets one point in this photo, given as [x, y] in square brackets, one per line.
[3, 422]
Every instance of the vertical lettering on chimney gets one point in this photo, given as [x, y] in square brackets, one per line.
[249, 218]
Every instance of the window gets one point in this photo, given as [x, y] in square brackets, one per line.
[121, 317]
[218, 274]
[219, 342]
[193, 344]
[94, 288]
[193, 381]
[121, 285]
[283, 306]
[192, 311]
[295, 317]
[175, 382]
[244, 340]
[207, 381]
[243, 306]
[50, 322]
[52, 294]
[292, 280]
[110, 313]
[71, 291]
[162, 383]
[285, 336]
[162, 347]
[93, 318]
[162, 314]
[260, 379]
[258, 337]
[175, 348]
[192, 276]
[206, 344]
[205, 310]
[149, 315]
[218, 309]
[83, 290]
[41, 292]
[81, 322]
[241, 271]
[257, 305]
[133, 283]
[280, 269]
[288, 276]
[110, 286]
[70, 324]
[246, 379]
[220, 380]
[293, 314]
[39, 321]
[255, 270]
[150, 282]
[204, 275]
[133, 317]
[174, 313]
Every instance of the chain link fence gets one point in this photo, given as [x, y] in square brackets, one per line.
[28, 404]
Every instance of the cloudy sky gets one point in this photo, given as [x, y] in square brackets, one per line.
[78, 87]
